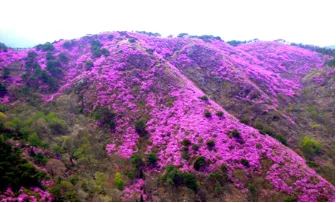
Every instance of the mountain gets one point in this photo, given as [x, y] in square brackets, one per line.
[136, 117]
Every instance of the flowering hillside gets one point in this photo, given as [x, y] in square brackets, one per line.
[142, 117]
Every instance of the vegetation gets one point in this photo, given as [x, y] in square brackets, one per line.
[204, 98]
[16, 172]
[151, 159]
[118, 181]
[45, 47]
[186, 142]
[245, 162]
[175, 177]
[310, 146]
[140, 127]
[210, 143]
[220, 113]
[207, 114]
[199, 162]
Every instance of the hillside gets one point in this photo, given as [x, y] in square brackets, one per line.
[134, 117]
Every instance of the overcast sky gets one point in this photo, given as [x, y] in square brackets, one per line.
[28, 23]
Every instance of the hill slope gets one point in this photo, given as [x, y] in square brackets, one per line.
[133, 120]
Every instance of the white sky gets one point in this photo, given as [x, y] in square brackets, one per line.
[27, 23]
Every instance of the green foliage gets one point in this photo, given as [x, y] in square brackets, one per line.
[88, 65]
[105, 116]
[252, 189]
[140, 127]
[105, 52]
[3, 47]
[204, 98]
[185, 153]
[53, 66]
[210, 143]
[69, 45]
[245, 162]
[3, 90]
[235, 133]
[258, 125]
[288, 198]
[34, 140]
[151, 159]
[195, 146]
[223, 168]
[199, 162]
[45, 47]
[5, 73]
[95, 48]
[310, 146]
[39, 158]
[207, 114]
[119, 183]
[220, 113]
[175, 177]
[186, 142]
[57, 124]
[218, 188]
[245, 121]
[16, 172]
[63, 58]
[189, 180]
[136, 160]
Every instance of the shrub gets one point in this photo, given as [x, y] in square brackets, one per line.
[204, 98]
[288, 198]
[34, 140]
[118, 181]
[252, 189]
[3, 90]
[218, 188]
[105, 52]
[57, 124]
[110, 37]
[63, 58]
[199, 162]
[96, 53]
[210, 143]
[310, 146]
[105, 116]
[223, 168]
[219, 113]
[46, 47]
[189, 180]
[245, 162]
[207, 114]
[258, 125]
[195, 146]
[186, 142]
[151, 159]
[5, 73]
[15, 171]
[235, 133]
[69, 44]
[175, 177]
[140, 127]
[39, 158]
[281, 139]
[245, 121]
[136, 160]
[88, 65]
